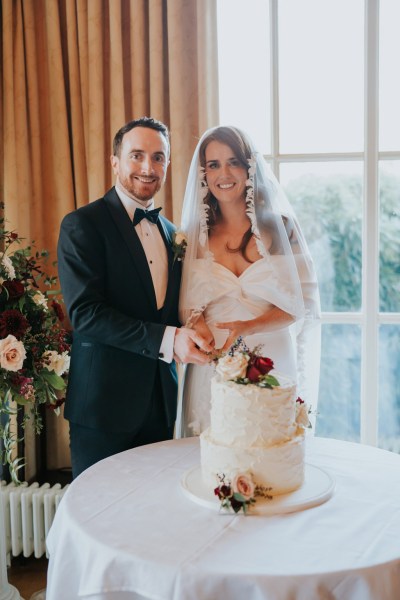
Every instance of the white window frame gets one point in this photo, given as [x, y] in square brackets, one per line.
[369, 318]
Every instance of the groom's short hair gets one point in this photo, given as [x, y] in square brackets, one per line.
[148, 122]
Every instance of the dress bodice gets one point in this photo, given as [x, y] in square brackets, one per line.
[230, 297]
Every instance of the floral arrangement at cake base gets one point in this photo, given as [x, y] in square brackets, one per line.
[34, 346]
[240, 493]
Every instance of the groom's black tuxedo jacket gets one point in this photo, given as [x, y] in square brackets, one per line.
[117, 329]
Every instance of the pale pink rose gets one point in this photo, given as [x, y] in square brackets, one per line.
[12, 353]
[232, 367]
[302, 414]
[244, 485]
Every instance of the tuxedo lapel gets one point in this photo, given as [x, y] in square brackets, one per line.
[166, 236]
[132, 241]
[166, 230]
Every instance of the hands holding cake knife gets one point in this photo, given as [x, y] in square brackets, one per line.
[191, 347]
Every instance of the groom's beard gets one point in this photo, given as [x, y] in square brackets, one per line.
[141, 187]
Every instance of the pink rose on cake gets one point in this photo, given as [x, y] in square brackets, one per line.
[244, 485]
[232, 366]
[240, 493]
[302, 413]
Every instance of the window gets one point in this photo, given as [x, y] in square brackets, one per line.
[314, 82]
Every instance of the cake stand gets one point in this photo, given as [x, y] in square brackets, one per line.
[317, 488]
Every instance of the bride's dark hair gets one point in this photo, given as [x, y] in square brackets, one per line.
[240, 146]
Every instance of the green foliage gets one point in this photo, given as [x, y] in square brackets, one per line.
[34, 346]
[389, 258]
[330, 211]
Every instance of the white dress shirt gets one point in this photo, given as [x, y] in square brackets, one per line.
[156, 254]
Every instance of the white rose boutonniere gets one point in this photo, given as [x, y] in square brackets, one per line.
[179, 243]
[232, 367]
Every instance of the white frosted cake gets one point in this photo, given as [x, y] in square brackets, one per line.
[255, 430]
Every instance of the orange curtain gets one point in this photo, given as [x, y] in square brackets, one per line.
[73, 72]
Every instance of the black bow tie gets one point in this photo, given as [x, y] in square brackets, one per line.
[151, 215]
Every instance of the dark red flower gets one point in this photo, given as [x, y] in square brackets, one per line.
[58, 310]
[56, 404]
[223, 491]
[36, 319]
[258, 366]
[12, 322]
[299, 400]
[236, 504]
[14, 288]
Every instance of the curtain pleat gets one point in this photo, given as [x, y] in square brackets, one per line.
[73, 72]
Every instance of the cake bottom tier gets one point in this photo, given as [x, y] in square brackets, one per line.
[280, 467]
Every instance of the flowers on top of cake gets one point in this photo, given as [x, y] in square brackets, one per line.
[240, 493]
[245, 366]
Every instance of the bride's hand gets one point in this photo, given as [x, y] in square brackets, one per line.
[202, 329]
[274, 318]
[236, 329]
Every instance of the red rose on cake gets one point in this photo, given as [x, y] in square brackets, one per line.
[257, 367]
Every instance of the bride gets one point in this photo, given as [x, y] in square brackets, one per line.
[247, 270]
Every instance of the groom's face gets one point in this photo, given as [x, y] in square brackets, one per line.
[142, 165]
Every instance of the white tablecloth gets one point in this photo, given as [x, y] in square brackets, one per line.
[125, 530]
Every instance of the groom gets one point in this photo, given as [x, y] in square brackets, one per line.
[121, 288]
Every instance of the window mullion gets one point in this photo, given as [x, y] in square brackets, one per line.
[370, 286]
[274, 53]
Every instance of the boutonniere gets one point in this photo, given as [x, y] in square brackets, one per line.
[179, 243]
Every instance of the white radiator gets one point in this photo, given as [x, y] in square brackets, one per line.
[28, 512]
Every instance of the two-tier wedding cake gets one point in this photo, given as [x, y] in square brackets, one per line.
[257, 425]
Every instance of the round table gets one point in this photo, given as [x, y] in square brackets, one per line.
[125, 530]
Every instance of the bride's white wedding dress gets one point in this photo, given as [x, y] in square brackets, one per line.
[233, 298]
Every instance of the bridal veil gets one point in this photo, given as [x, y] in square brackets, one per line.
[291, 275]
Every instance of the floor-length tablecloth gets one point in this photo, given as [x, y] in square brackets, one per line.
[125, 530]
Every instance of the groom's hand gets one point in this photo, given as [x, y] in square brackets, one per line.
[191, 347]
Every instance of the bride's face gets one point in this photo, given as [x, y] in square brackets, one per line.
[226, 176]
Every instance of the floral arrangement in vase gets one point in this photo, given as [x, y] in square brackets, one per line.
[34, 346]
